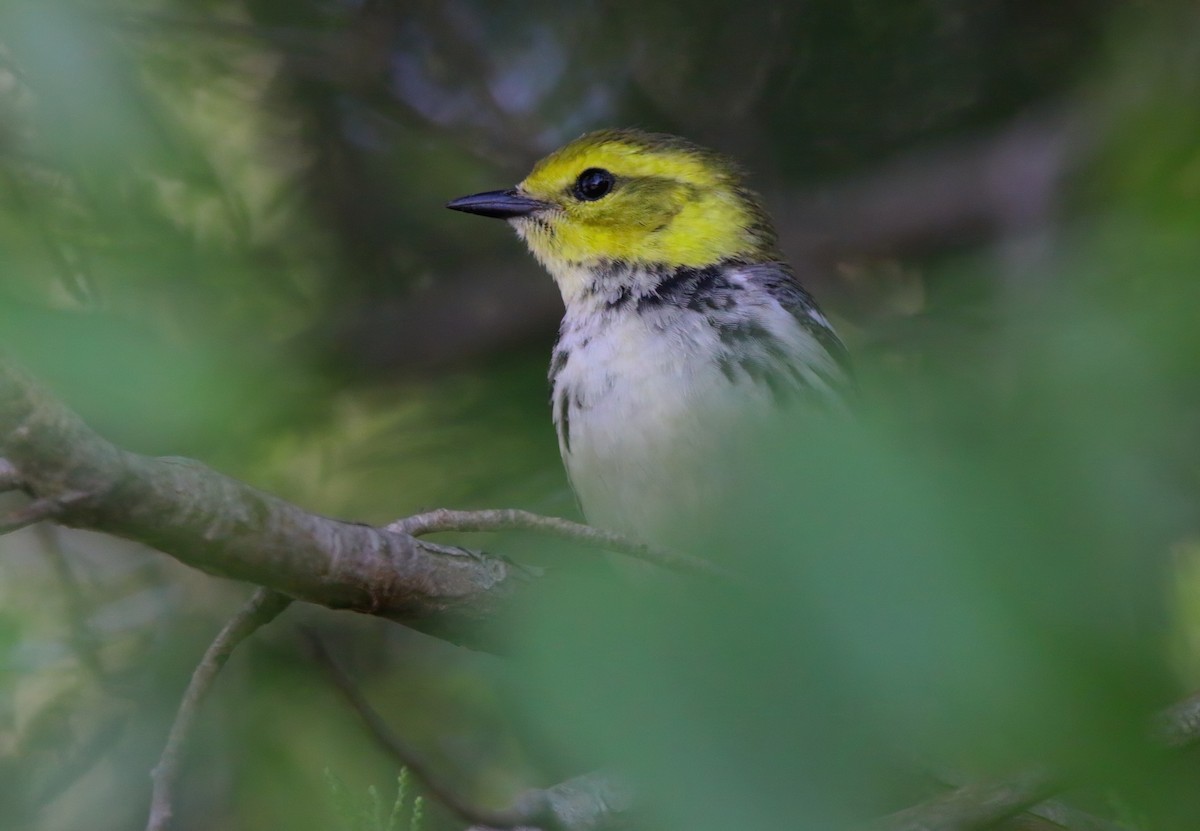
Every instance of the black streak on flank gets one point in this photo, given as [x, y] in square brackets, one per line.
[564, 420]
[558, 363]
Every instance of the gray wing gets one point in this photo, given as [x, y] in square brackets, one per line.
[790, 346]
[780, 282]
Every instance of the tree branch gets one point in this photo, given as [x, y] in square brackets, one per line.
[512, 519]
[263, 607]
[224, 527]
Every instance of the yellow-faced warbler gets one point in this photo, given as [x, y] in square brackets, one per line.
[683, 325]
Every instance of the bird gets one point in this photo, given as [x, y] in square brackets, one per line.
[684, 329]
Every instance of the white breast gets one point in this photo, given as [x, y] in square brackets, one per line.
[647, 420]
[660, 380]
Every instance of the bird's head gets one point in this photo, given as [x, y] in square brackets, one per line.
[631, 198]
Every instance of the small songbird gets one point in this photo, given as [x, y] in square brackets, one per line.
[684, 330]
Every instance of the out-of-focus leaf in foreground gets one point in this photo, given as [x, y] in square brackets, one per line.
[971, 576]
[979, 594]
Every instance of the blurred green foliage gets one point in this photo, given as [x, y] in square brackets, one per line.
[221, 236]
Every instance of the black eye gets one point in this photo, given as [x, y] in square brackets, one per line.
[593, 183]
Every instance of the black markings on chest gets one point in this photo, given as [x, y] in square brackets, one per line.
[695, 289]
[560, 398]
[564, 420]
[558, 362]
[566, 401]
[564, 398]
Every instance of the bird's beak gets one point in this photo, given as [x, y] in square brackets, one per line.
[502, 204]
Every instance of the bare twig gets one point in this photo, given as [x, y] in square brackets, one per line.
[263, 607]
[511, 519]
[524, 813]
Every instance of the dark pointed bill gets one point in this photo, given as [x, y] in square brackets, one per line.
[502, 204]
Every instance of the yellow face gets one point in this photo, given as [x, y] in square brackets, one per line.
[631, 197]
[640, 198]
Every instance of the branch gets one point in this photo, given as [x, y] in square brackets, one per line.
[263, 607]
[512, 519]
[227, 528]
